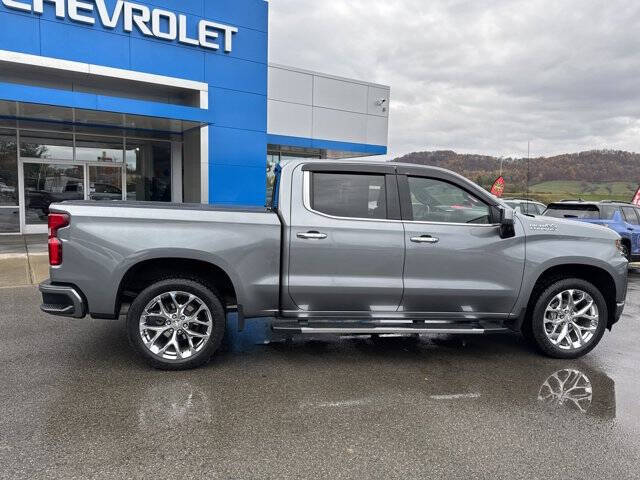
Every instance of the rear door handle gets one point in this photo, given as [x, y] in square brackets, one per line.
[425, 239]
[312, 236]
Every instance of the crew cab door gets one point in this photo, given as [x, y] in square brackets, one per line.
[346, 240]
[456, 264]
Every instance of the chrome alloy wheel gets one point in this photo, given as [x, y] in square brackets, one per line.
[571, 319]
[176, 325]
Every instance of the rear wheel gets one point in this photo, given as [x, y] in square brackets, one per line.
[568, 320]
[176, 324]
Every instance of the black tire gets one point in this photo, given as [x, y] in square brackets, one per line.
[626, 251]
[192, 286]
[534, 330]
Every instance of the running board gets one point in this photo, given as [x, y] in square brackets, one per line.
[365, 328]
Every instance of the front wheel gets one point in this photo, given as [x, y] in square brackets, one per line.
[568, 320]
[176, 324]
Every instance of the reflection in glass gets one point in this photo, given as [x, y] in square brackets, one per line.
[105, 183]
[9, 220]
[148, 170]
[273, 158]
[57, 146]
[99, 149]
[48, 183]
[8, 170]
[272, 161]
[569, 388]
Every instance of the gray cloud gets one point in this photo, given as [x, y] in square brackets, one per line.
[480, 76]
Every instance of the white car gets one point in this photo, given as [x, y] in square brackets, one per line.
[526, 206]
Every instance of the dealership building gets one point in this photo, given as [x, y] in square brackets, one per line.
[163, 101]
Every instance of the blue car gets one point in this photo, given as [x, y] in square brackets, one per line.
[623, 218]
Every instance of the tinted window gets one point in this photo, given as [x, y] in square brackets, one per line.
[349, 195]
[572, 211]
[607, 212]
[630, 215]
[515, 205]
[437, 201]
[530, 208]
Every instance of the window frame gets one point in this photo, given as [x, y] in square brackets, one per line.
[390, 185]
[635, 212]
[407, 209]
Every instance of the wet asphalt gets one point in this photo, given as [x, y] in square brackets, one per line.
[76, 402]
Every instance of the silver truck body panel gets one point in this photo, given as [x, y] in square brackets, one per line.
[106, 239]
[357, 268]
[470, 273]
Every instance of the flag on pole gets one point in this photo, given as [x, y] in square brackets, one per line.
[636, 198]
[498, 187]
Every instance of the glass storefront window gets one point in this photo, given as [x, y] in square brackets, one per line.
[9, 220]
[46, 183]
[148, 170]
[8, 168]
[99, 149]
[272, 161]
[46, 145]
[283, 158]
[105, 182]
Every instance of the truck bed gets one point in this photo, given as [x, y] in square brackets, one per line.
[105, 240]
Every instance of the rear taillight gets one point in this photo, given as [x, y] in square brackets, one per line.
[56, 222]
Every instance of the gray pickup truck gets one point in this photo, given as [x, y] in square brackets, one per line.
[346, 248]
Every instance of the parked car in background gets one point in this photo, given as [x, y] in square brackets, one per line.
[526, 206]
[623, 218]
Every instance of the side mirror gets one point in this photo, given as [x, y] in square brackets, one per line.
[507, 223]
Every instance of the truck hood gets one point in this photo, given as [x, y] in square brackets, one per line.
[561, 226]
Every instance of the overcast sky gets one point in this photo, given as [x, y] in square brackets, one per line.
[480, 76]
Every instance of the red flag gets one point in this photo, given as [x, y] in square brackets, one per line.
[636, 198]
[498, 187]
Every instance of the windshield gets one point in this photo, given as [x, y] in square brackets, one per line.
[573, 211]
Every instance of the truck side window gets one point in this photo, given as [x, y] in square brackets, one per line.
[630, 215]
[351, 195]
[438, 201]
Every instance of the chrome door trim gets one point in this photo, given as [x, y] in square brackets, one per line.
[306, 201]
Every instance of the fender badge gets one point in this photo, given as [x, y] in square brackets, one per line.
[543, 227]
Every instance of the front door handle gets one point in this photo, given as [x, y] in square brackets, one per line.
[312, 236]
[425, 239]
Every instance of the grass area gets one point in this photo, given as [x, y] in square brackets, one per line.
[556, 190]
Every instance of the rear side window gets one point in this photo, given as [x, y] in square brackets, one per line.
[573, 211]
[530, 208]
[351, 195]
[630, 215]
[607, 213]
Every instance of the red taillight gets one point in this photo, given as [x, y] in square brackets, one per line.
[56, 222]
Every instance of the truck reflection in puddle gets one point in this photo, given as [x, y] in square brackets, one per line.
[567, 388]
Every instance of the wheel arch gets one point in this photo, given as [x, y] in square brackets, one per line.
[598, 276]
[147, 271]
